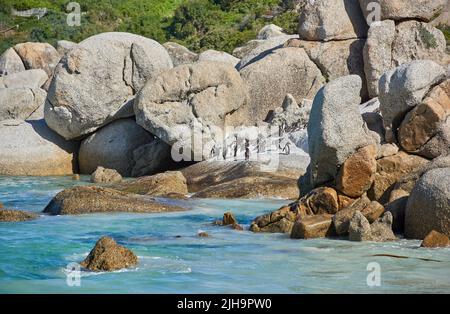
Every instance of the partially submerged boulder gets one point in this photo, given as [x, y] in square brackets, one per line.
[7, 215]
[90, 199]
[380, 231]
[312, 227]
[102, 175]
[435, 240]
[107, 255]
[94, 84]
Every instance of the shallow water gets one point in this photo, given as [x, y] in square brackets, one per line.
[34, 255]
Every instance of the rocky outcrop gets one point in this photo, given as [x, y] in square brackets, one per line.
[341, 220]
[335, 131]
[16, 215]
[218, 56]
[38, 56]
[32, 149]
[102, 175]
[270, 31]
[10, 62]
[26, 79]
[107, 255]
[325, 20]
[173, 104]
[312, 227]
[118, 62]
[89, 199]
[180, 54]
[435, 239]
[380, 231]
[171, 183]
[285, 71]
[113, 147]
[20, 103]
[428, 206]
[280, 221]
[64, 46]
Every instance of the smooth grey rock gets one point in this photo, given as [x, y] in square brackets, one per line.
[35, 78]
[10, 62]
[428, 206]
[270, 31]
[380, 231]
[112, 147]
[152, 158]
[64, 46]
[285, 71]
[325, 20]
[404, 88]
[335, 130]
[218, 56]
[95, 82]
[32, 149]
[20, 103]
[180, 54]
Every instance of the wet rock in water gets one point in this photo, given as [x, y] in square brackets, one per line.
[170, 183]
[428, 206]
[203, 234]
[435, 240]
[107, 255]
[323, 200]
[380, 231]
[343, 217]
[76, 177]
[229, 219]
[102, 175]
[357, 174]
[373, 211]
[89, 199]
[312, 227]
[397, 207]
[7, 215]
[279, 221]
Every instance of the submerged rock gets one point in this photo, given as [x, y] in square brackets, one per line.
[102, 175]
[89, 199]
[107, 255]
[435, 239]
[7, 215]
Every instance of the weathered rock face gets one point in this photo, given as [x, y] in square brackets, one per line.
[169, 183]
[341, 220]
[10, 62]
[357, 174]
[218, 56]
[180, 54]
[380, 231]
[16, 215]
[38, 56]
[64, 46]
[405, 9]
[270, 31]
[390, 170]
[20, 103]
[425, 120]
[188, 96]
[89, 199]
[404, 88]
[319, 201]
[26, 79]
[435, 239]
[373, 211]
[428, 206]
[335, 131]
[107, 255]
[280, 221]
[112, 147]
[102, 175]
[152, 158]
[95, 82]
[378, 53]
[285, 71]
[312, 227]
[338, 58]
[32, 149]
[325, 20]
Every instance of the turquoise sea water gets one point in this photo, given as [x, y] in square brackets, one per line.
[34, 255]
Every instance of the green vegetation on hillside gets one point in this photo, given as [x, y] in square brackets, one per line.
[198, 24]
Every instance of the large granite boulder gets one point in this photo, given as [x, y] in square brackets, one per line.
[335, 131]
[64, 46]
[20, 103]
[38, 56]
[187, 98]
[218, 56]
[10, 62]
[94, 84]
[270, 31]
[180, 54]
[428, 206]
[35, 78]
[284, 71]
[112, 147]
[404, 88]
[107, 255]
[32, 149]
[325, 20]
[400, 10]
[152, 158]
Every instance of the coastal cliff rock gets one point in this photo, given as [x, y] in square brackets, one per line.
[107, 255]
[32, 149]
[119, 63]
